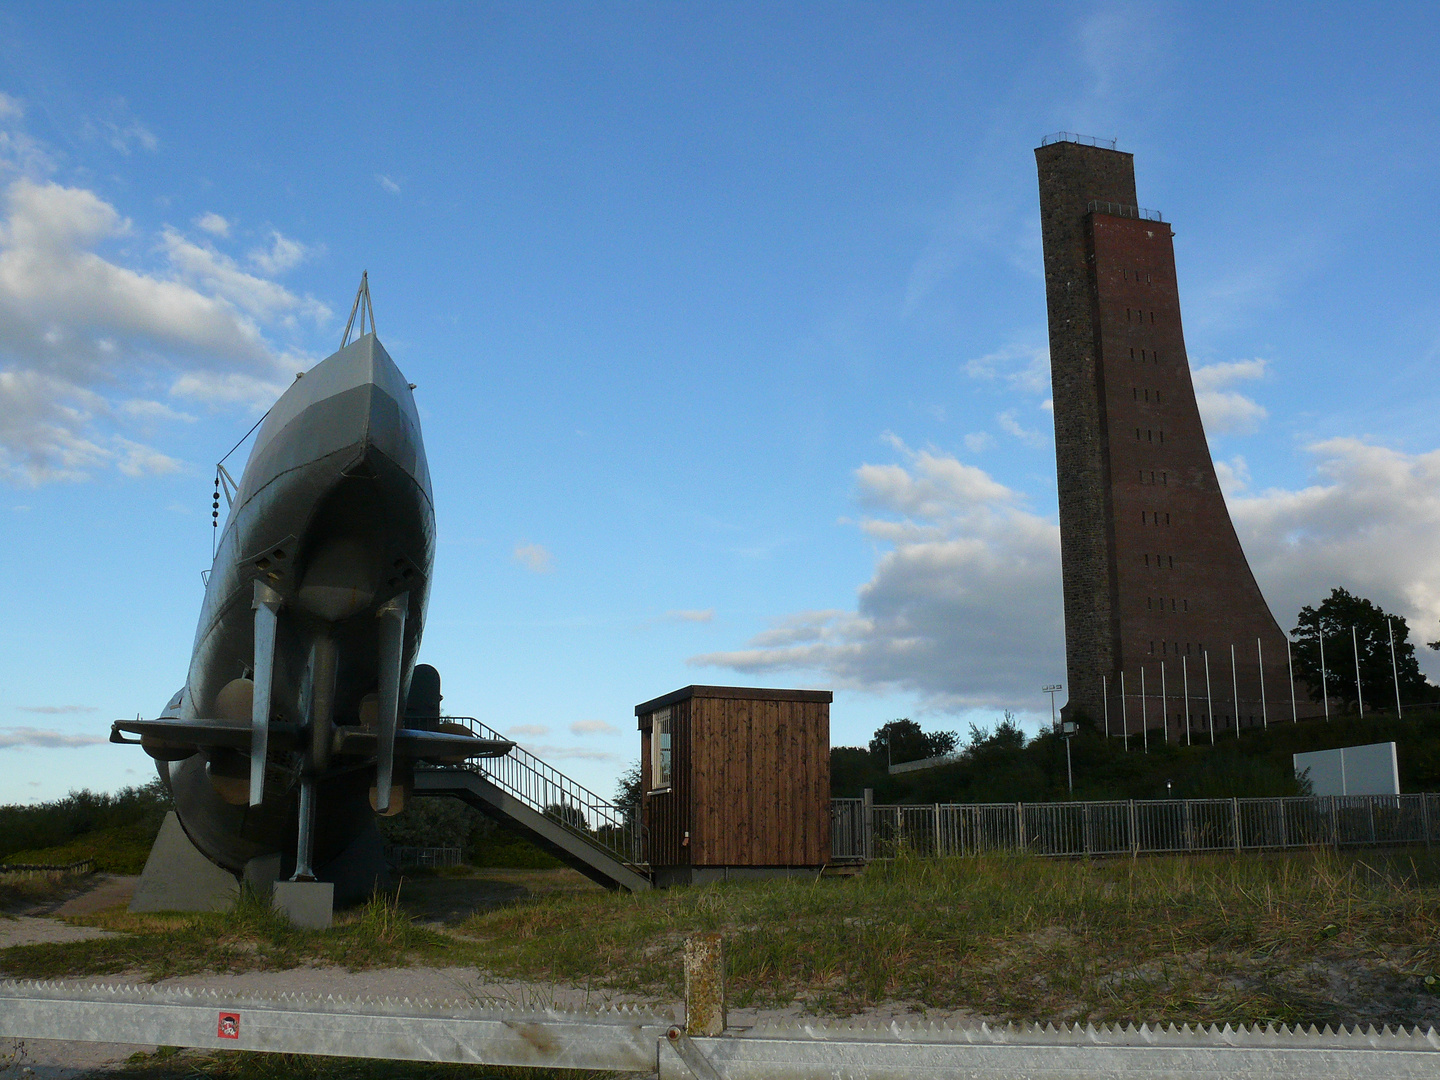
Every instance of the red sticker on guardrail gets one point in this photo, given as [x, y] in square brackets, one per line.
[229, 1026]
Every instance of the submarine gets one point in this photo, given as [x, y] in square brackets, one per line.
[304, 712]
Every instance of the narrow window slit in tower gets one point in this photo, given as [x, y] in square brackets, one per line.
[1187, 606]
[1172, 562]
[1167, 519]
[1147, 558]
[1149, 604]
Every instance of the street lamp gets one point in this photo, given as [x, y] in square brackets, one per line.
[1068, 730]
[1052, 691]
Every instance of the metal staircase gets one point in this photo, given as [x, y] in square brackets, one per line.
[601, 840]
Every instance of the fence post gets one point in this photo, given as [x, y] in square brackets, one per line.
[704, 985]
[1334, 824]
[1425, 817]
[1087, 828]
[1134, 832]
[867, 825]
[939, 847]
[1189, 829]
[1235, 809]
[1020, 825]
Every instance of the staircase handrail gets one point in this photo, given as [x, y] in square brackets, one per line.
[546, 790]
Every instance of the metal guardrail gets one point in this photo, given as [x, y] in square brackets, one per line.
[1121, 210]
[548, 791]
[1084, 140]
[650, 1041]
[623, 1040]
[1173, 826]
[408, 857]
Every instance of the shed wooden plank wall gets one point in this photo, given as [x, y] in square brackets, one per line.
[750, 781]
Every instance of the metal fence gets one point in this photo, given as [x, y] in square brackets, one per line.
[548, 791]
[407, 857]
[79, 866]
[862, 830]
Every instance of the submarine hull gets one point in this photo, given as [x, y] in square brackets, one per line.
[334, 516]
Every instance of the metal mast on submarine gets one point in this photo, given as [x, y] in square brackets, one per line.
[303, 710]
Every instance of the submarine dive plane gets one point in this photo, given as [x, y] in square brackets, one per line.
[304, 711]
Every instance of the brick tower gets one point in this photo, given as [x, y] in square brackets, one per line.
[1154, 576]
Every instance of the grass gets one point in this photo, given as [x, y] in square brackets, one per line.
[27, 890]
[1308, 937]
[249, 937]
[121, 849]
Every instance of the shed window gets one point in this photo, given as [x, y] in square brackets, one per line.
[660, 750]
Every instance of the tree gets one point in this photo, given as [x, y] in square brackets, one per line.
[1333, 620]
[903, 740]
[627, 791]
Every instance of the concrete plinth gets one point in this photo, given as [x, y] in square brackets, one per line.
[178, 878]
[310, 905]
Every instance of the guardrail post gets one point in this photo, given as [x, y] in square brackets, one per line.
[704, 985]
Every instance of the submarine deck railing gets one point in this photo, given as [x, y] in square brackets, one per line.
[570, 804]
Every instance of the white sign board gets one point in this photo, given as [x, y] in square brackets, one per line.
[1352, 770]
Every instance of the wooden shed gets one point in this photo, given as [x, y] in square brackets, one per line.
[736, 782]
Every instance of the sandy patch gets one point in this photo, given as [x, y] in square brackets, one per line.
[40, 930]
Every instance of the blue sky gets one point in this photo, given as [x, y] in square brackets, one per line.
[728, 324]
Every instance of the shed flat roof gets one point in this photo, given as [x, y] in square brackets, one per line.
[747, 693]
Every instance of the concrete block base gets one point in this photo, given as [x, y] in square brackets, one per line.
[310, 905]
[178, 878]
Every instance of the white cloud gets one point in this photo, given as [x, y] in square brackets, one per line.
[56, 710]
[978, 441]
[593, 727]
[214, 224]
[29, 736]
[283, 254]
[534, 558]
[126, 132]
[1013, 428]
[1023, 368]
[1225, 411]
[577, 753]
[1233, 475]
[1370, 522]
[387, 184]
[691, 615]
[963, 610]
[219, 274]
[10, 108]
[84, 338]
[533, 731]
